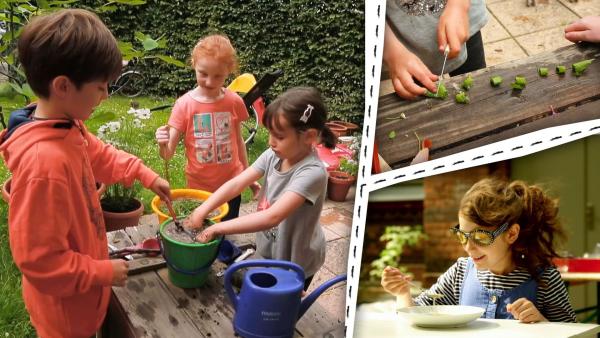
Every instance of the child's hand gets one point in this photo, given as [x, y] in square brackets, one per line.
[453, 27]
[255, 187]
[161, 188]
[207, 235]
[120, 269]
[162, 135]
[584, 29]
[394, 282]
[525, 311]
[405, 67]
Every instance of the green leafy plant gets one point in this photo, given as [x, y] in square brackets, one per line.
[122, 133]
[396, 238]
[349, 166]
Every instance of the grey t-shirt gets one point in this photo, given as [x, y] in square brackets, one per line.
[299, 238]
[415, 23]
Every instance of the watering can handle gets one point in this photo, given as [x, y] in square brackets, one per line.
[256, 263]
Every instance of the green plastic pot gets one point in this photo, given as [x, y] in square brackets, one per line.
[188, 263]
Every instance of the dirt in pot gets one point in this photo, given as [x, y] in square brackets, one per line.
[185, 206]
[186, 236]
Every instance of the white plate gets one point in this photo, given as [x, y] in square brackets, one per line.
[440, 315]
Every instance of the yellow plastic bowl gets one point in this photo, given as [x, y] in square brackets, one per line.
[187, 193]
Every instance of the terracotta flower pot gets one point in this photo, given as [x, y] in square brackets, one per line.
[338, 185]
[337, 129]
[100, 187]
[122, 220]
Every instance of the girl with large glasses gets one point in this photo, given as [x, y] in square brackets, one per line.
[508, 231]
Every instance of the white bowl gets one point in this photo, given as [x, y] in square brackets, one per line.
[440, 315]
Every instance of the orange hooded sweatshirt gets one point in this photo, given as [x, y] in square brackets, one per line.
[57, 233]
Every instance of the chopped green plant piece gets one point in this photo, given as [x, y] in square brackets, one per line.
[392, 135]
[579, 67]
[543, 71]
[561, 70]
[467, 83]
[441, 94]
[495, 81]
[461, 97]
[519, 84]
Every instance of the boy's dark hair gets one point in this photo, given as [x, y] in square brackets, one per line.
[71, 42]
[296, 103]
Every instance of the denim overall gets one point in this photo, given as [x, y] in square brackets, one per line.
[493, 301]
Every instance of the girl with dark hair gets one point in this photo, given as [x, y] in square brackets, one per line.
[291, 198]
[508, 231]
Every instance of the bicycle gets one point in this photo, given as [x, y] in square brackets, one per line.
[130, 83]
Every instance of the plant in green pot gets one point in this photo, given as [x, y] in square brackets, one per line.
[120, 205]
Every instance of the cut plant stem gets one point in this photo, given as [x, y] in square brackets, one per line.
[467, 83]
[581, 66]
[543, 71]
[441, 94]
[495, 81]
[461, 97]
[519, 84]
[561, 69]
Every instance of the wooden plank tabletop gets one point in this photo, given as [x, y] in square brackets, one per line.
[151, 306]
[493, 114]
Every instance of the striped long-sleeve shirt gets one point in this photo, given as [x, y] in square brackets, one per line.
[552, 297]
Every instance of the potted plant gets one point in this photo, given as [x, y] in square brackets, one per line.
[341, 180]
[120, 205]
[399, 240]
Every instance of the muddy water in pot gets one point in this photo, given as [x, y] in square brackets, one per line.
[186, 236]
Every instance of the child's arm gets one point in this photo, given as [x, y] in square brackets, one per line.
[525, 311]
[453, 27]
[167, 138]
[405, 67]
[265, 219]
[40, 225]
[226, 192]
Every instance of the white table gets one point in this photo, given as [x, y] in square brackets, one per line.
[380, 320]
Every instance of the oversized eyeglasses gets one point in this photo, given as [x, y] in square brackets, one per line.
[479, 236]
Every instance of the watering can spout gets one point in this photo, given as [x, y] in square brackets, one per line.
[310, 299]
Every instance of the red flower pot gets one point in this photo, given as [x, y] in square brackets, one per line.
[350, 127]
[338, 185]
[337, 129]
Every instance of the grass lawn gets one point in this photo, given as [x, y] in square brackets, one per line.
[14, 320]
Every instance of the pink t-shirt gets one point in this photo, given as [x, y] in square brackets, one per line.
[211, 137]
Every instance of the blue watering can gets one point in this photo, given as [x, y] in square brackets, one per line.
[269, 303]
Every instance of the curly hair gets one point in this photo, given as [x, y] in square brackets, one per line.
[491, 202]
[216, 46]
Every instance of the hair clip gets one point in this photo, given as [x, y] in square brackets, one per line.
[307, 112]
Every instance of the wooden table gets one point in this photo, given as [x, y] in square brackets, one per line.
[494, 114]
[585, 277]
[377, 323]
[151, 306]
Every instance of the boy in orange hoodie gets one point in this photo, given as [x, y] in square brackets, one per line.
[56, 229]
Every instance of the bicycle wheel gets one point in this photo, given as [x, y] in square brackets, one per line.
[251, 126]
[130, 84]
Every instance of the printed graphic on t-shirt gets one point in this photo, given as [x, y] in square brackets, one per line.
[203, 125]
[205, 150]
[224, 151]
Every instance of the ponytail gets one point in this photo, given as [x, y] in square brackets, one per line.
[328, 138]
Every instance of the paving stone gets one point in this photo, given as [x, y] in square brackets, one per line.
[520, 19]
[546, 40]
[493, 30]
[330, 235]
[502, 51]
[336, 257]
[583, 7]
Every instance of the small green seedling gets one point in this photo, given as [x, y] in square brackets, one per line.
[580, 67]
[467, 83]
[461, 97]
[392, 135]
[441, 94]
[560, 70]
[495, 81]
[519, 84]
[543, 71]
